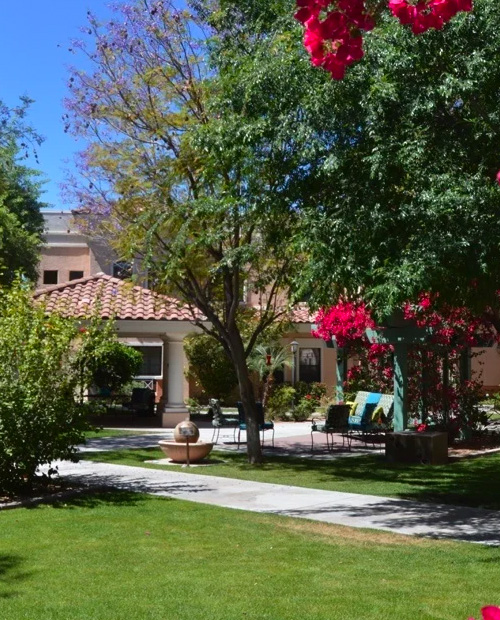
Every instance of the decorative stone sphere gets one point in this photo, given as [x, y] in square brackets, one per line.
[186, 431]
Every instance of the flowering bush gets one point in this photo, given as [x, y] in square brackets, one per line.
[490, 612]
[347, 321]
[432, 401]
[451, 326]
[334, 28]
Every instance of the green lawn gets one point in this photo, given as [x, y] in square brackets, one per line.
[110, 432]
[472, 482]
[127, 556]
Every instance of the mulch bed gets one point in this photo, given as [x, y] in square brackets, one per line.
[476, 446]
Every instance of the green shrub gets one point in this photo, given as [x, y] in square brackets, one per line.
[46, 364]
[303, 409]
[280, 402]
[113, 365]
[210, 366]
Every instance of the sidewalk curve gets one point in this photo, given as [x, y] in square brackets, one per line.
[364, 511]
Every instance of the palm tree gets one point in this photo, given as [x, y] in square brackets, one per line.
[265, 361]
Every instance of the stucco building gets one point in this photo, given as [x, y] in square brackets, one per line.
[78, 273]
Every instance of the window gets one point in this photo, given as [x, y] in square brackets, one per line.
[75, 275]
[122, 270]
[151, 361]
[50, 277]
[310, 365]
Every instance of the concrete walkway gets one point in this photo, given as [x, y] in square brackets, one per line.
[291, 439]
[363, 511]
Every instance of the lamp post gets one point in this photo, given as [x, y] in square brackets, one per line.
[294, 346]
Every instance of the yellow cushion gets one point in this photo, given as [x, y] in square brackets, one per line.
[354, 406]
[378, 415]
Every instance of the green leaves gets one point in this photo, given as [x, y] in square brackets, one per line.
[21, 223]
[46, 365]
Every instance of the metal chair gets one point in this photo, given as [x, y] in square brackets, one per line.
[219, 420]
[263, 425]
[337, 421]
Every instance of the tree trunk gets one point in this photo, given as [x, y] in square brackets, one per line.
[254, 450]
[267, 388]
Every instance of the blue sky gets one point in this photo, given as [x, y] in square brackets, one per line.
[34, 41]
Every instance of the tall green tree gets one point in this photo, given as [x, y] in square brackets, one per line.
[178, 180]
[398, 192]
[21, 221]
[210, 365]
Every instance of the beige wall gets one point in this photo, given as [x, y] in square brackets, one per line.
[486, 368]
[63, 260]
[328, 359]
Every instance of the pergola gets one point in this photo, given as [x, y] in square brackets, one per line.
[401, 334]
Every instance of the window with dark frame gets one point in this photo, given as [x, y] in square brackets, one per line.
[75, 275]
[310, 365]
[151, 361]
[50, 276]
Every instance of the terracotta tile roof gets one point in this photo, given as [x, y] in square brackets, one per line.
[301, 314]
[113, 298]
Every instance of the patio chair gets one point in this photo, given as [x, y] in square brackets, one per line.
[219, 420]
[337, 421]
[363, 408]
[383, 414]
[263, 425]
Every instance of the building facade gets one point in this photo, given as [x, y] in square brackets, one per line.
[78, 273]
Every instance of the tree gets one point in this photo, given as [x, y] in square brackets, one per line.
[397, 193]
[412, 200]
[46, 362]
[113, 364]
[193, 189]
[266, 361]
[21, 222]
[210, 365]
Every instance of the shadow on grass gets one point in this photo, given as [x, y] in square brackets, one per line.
[470, 482]
[10, 575]
[467, 482]
[97, 498]
[433, 521]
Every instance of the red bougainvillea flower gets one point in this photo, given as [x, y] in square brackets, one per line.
[347, 321]
[490, 612]
[425, 14]
[334, 28]
[333, 32]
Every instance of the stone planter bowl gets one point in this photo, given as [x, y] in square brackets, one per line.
[177, 452]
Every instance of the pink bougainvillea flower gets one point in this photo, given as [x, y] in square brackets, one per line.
[498, 177]
[490, 612]
[334, 28]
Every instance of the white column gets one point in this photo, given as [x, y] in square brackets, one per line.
[174, 363]
[175, 374]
